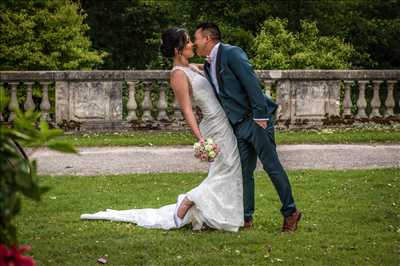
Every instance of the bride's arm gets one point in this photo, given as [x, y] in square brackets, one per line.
[180, 85]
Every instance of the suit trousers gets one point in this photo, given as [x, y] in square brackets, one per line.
[255, 141]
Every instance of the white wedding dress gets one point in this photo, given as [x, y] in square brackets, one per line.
[218, 200]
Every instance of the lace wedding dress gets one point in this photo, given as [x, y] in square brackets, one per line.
[218, 200]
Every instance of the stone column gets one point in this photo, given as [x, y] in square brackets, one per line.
[29, 105]
[45, 103]
[268, 85]
[62, 101]
[347, 99]
[13, 105]
[146, 105]
[376, 101]
[284, 97]
[389, 103]
[131, 104]
[361, 102]
[333, 102]
[162, 103]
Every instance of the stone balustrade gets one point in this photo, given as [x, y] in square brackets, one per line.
[104, 100]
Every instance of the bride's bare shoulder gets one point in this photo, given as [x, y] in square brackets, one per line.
[177, 74]
[178, 78]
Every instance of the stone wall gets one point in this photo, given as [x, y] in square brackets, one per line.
[125, 100]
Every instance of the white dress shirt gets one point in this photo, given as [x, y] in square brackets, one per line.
[213, 66]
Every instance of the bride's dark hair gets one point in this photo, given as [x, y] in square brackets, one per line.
[171, 39]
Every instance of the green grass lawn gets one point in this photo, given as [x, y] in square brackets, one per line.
[350, 218]
[157, 138]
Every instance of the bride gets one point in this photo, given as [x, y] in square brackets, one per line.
[218, 201]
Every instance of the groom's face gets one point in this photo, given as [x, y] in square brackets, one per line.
[201, 43]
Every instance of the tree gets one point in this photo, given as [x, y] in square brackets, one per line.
[129, 30]
[371, 26]
[275, 47]
[45, 35]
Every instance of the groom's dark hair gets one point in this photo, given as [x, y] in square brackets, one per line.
[211, 29]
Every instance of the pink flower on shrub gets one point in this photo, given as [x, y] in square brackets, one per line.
[14, 257]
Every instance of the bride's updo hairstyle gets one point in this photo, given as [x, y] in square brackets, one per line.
[171, 39]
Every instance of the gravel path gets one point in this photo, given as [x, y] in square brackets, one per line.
[123, 160]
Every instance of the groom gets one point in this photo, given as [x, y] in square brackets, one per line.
[250, 112]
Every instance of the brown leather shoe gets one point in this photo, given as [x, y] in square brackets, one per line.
[290, 222]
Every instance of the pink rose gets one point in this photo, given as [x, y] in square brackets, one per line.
[204, 157]
[13, 256]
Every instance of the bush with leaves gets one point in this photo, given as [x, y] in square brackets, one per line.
[18, 174]
[275, 47]
[45, 35]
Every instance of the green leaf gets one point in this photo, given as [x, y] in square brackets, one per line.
[17, 207]
[62, 147]
[23, 178]
[47, 133]
[17, 135]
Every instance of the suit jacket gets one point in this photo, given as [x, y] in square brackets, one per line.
[240, 91]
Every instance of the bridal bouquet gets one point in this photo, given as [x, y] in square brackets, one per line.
[206, 150]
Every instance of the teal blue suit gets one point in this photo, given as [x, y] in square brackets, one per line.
[241, 97]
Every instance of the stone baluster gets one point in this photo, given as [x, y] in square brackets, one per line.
[177, 111]
[131, 104]
[45, 103]
[361, 102]
[146, 105]
[162, 103]
[268, 85]
[29, 105]
[389, 102]
[13, 105]
[347, 99]
[376, 101]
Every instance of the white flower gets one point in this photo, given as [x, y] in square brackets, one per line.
[211, 154]
[209, 148]
[210, 141]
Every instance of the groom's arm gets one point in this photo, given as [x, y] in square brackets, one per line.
[240, 65]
